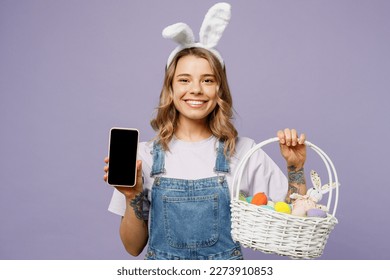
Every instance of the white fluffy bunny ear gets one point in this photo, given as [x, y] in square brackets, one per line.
[180, 32]
[214, 23]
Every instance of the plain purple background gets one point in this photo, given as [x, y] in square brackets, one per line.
[70, 70]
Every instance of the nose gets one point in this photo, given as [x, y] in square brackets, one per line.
[196, 88]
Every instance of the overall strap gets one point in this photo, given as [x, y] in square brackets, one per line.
[158, 159]
[221, 163]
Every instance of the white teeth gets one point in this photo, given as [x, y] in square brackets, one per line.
[194, 102]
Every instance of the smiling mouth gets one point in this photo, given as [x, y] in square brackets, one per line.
[195, 103]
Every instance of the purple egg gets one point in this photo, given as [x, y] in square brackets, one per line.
[316, 213]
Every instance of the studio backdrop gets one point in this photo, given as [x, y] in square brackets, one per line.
[70, 70]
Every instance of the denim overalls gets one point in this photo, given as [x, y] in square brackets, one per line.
[190, 219]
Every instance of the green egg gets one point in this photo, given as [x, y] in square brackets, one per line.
[242, 197]
[268, 207]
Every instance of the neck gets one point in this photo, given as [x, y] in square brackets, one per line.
[192, 131]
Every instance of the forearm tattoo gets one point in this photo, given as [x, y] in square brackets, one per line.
[137, 205]
[296, 176]
[296, 182]
[292, 189]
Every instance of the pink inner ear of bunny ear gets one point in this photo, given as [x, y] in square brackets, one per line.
[180, 32]
[214, 24]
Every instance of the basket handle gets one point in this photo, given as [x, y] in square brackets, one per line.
[325, 158]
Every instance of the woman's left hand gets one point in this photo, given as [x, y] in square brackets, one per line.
[292, 147]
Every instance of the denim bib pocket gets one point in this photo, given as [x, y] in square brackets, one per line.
[191, 221]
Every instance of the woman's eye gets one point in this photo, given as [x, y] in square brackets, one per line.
[209, 81]
[183, 80]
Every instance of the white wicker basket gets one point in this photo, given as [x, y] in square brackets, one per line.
[283, 234]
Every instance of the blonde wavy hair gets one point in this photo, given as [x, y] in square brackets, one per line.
[219, 120]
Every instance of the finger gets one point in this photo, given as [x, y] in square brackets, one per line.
[294, 137]
[302, 139]
[280, 135]
[106, 168]
[106, 159]
[139, 166]
[139, 173]
[105, 177]
[287, 136]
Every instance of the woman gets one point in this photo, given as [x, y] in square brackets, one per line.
[186, 171]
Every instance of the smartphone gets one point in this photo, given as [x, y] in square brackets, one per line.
[122, 164]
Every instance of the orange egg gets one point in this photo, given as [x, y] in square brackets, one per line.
[260, 199]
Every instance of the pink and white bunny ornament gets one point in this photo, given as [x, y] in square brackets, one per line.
[307, 205]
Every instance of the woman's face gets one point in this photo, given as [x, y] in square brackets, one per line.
[194, 88]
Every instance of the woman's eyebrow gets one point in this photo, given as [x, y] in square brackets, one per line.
[188, 75]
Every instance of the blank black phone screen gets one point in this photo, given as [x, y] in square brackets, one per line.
[122, 157]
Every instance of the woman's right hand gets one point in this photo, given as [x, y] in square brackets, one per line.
[133, 228]
[128, 192]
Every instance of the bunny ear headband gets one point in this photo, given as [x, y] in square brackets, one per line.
[214, 23]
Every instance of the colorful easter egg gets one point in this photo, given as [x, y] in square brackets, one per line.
[282, 207]
[249, 199]
[267, 207]
[259, 199]
[242, 197]
[316, 213]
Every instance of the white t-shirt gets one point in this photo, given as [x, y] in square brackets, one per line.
[196, 160]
